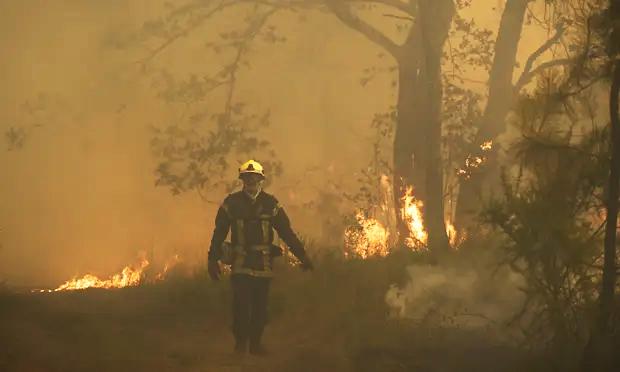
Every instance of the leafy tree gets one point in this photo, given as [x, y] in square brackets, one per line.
[552, 213]
[194, 150]
[561, 196]
[419, 60]
[599, 353]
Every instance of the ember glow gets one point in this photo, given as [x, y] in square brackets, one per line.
[368, 238]
[486, 145]
[474, 161]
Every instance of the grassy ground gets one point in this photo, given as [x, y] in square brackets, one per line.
[334, 319]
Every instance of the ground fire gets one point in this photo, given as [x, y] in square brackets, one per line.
[370, 237]
[131, 275]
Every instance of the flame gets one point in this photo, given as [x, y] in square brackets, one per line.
[474, 161]
[368, 238]
[452, 235]
[128, 277]
[167, 266]
[411, 213]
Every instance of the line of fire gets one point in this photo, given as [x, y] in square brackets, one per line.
[310, 185]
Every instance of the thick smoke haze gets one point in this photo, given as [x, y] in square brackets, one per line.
[79, 194]
[463, 297]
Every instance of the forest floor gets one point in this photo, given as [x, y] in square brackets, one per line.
[333, 319]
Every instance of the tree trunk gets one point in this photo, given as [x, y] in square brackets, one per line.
[406, 127]
[500, 100]
[609, 266]
[417, 142]
[598, 354]
[417, 139]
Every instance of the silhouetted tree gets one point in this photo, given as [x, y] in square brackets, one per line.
[550, 213]
[561, 188]
[194, 150]
[599, 353]
[417, 146]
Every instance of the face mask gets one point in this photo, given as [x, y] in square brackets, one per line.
[258, 190]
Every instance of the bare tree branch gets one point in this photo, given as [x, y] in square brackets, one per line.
[404, 18]
[242, 48]
[190, 7]
[201, 19]
[543, 48]
[339, 7]
[527, 74]
[397, 4]
[342, 10]
[526, 78]
[194, 24]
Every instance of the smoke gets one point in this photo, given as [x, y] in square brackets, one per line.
[464, 297]
[78, 195]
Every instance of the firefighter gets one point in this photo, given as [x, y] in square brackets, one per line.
[251, 215]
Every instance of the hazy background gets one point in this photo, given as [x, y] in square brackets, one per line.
[80, 196]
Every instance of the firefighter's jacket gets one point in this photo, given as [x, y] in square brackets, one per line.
[251, 223]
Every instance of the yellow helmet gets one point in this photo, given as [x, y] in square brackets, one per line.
[251, 166]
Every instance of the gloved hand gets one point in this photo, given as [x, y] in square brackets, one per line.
[306, 264]
[214, 270]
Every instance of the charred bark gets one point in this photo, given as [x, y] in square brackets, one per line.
[609, 266]
[598, 354]
[406, 128]
[417, 143]
[436, 19]
[417, 140]
[500, 100]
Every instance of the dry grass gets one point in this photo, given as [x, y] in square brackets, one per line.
[334, 319]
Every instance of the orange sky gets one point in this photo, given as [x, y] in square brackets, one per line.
[80, 195]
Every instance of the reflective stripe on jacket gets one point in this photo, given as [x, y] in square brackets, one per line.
[251, 223]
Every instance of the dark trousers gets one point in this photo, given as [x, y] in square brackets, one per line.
[249, 307]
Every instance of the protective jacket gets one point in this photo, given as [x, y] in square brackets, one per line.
[251, 223]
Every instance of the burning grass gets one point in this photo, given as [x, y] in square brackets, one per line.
[367, 239]
[333, 319]
[370, 237]
[130, 276]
